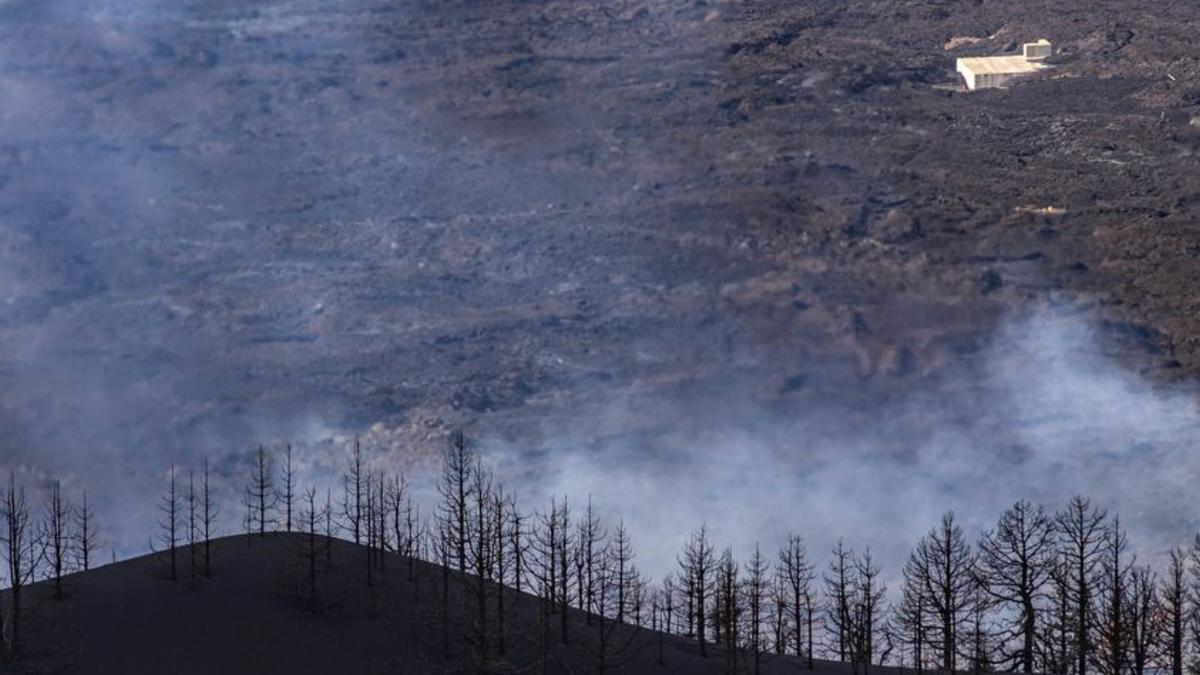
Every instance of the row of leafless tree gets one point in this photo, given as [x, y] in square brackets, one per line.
[485, 549]
[1040, 592]
[1053, 592]
[1045, 592]
[187, 517]
[588, 590]
[49, 542]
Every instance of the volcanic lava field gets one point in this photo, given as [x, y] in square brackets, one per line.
[407, 215]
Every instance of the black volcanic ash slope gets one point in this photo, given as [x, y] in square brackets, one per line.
[129, 618]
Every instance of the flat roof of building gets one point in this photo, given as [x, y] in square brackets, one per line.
[984, 65]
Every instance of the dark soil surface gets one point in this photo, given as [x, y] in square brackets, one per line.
[251, 618]
[218, 218]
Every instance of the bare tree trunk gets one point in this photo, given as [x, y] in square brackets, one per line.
[169, 523]
[369, 514]
[1082, 528]
[310, 516]
[382, 531]
[21, 546]
[756, 590]
[191, 527]
[55, 533]
[208, 518]
[1175, 609]
[328, 530]
[352, 489]
[564, 547]
[809, 606]
[501, 565]
[260, 491]
[698, 563]
[86, 540]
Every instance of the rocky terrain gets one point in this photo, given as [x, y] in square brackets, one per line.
[221, 221]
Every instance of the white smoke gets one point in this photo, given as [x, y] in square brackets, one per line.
[1057, 417]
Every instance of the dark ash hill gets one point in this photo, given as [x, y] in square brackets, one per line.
[250, 618]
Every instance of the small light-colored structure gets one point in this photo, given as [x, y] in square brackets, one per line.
[985, 72]
[1036, 51]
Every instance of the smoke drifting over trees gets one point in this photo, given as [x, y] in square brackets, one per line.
[1053, 591]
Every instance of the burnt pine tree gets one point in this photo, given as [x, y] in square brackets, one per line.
[550, 566]
[564, 547]
[543, 569]
[1057, 640]
[248, 518]
[777, 596]
[518, 544]
[577, 559]
[352, 494]
[622, 560]
[697, 565]
[376, 525]
[369, 516]
[192, 525]
[638, 590]
[658, 624]
[21, 549]
[1015, 561]
[810, 609]
[978, 637]
[168, 508]
[454, 495]
[866, 610]
[837, 594]
[797, 576]
[727, 611]
[87, 538]
[208, 516]
[500, 563]
[1081, 528]
[310, 516]
[941, 570]
[1113, 643]
[399, 506]
[55, 534]
[615, 643]
[381, 526]
[1175, 610]
[443, 545]
[590, 540]
[910, 620]
[603, 586]
[260, 491]
[328, 512]
[289, 488]
[757, 571]
[480, 539]
[667, 604]
[1145, 623]
[412, 538]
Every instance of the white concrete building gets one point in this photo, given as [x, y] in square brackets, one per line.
[984, 72]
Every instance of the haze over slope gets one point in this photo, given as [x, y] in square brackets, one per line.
[744, 239]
